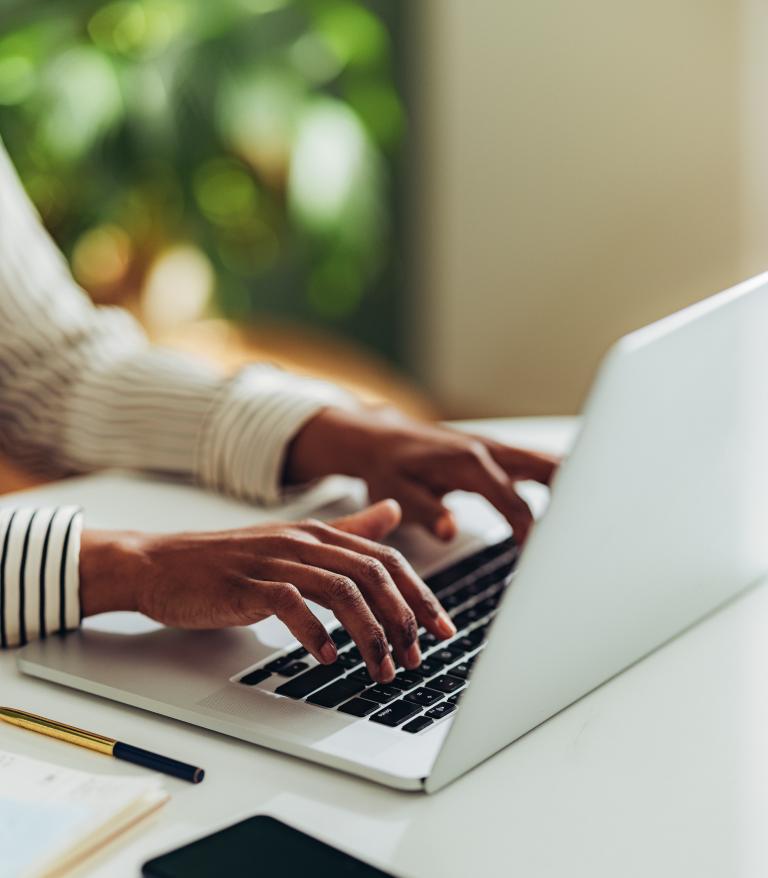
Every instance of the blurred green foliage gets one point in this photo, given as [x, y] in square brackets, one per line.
[264, 132]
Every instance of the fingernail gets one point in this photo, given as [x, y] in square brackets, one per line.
[447, 628]
[387, 669]
[444, 528]
[328, 653]
[413, 656]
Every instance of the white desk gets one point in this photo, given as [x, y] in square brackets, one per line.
[661, 772]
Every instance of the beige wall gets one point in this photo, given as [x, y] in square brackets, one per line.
[584, 168]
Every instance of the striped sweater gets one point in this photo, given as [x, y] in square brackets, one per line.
[81, 388]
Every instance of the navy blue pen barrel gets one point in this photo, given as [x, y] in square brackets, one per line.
[158, 763]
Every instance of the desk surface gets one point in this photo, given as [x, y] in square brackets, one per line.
[661, 772]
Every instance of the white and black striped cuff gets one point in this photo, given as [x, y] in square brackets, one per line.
[39, 581]
[251, 425]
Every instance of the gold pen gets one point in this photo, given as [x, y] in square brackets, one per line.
[101, 744]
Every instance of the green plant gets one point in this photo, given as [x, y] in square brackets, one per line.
[262, 133]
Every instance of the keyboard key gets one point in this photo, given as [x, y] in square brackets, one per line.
[504, 553]
[440, 710]
[482, 631]
[477, 587]
[471, 640]
[382, 694]
[489, 604]
[337, 692]
[424, 697]
[255, 677]
[443, 580]
[464, 594]
[279, 663]
[446, 684]
[497, 588]
[293, 669]
[355, 652]
[416, 725]
[363, 676]
[298, 653]
[310, 680]
[395, 713]
[507, 546]
[447, 656]
[406, 680]
[463, 670]
[456, 648]
[359, 707]
[495, 577]
[427, 640]
[468, 617]
[440, 582]
[340, 637]
[428, 668]
[454, 699]
[348, 661]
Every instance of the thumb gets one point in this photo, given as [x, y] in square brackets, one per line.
[420, 505]
[373, 523]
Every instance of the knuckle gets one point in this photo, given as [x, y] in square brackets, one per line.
[289, 539]
[241, 606]
[282, 542]
[287, 597]
[312, 524]
[374, 569]
[377, 643]
[430, 603]
[409, 627]
[341, 589]
[392, 557]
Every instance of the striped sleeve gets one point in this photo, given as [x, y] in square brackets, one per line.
[81, 388]
[39, 584]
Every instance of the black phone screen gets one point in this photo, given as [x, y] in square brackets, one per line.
[260, 846]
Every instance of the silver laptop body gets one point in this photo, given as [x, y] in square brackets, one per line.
[658, 516]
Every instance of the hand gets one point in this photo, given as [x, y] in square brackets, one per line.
[417, 464]
[238, 577]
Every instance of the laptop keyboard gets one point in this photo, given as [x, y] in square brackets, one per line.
[416, 699]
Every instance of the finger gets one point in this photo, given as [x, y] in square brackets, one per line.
[379, 590]
[518, 514]
[284, 600]
[521, 464]
[373, 523]
[422, 506]
[479, 472]
[341, 595]
[418, 595]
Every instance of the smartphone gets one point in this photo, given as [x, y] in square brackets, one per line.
[260, 846]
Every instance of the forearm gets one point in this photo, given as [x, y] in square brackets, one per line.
[81, 388]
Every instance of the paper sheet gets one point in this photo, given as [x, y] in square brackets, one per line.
[46, 809]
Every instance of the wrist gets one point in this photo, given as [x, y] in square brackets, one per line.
[333, 442]
[110, 571]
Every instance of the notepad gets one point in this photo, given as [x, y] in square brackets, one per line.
[52, 818]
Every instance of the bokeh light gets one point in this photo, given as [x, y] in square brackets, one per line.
[102, 257]
[177, 287]
[330, 160]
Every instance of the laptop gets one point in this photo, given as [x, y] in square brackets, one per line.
[658, 516]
